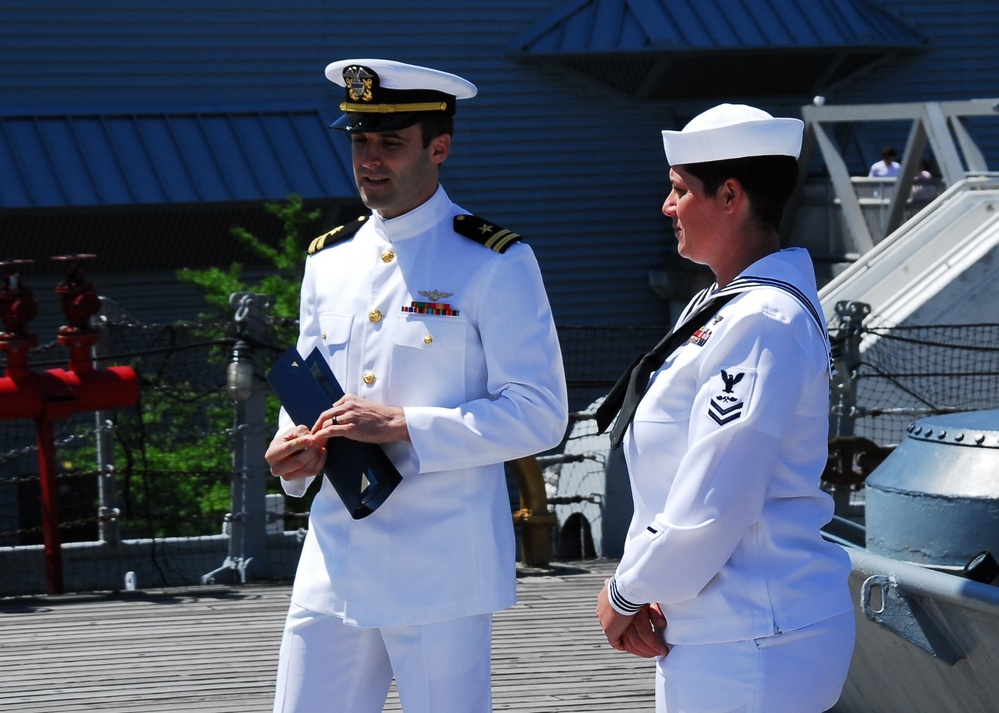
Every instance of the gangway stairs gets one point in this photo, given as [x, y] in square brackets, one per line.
[940, 267]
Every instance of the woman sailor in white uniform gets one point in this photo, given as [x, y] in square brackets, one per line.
[725, 577]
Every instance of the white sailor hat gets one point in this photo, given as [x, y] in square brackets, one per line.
[382, 95]
[733, 131]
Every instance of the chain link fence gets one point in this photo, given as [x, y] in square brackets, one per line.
[903, 373]
[146, 492]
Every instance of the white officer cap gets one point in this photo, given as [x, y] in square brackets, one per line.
[733, 131]
[383, 95]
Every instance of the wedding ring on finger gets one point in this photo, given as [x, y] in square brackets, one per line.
[334, 421]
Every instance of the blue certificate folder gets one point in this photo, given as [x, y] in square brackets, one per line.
[361, 473]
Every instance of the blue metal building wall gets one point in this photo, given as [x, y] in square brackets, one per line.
[962, 62]
[576, 168]
[578, 173]
[137, 55]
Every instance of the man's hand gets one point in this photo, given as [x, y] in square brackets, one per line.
[645, 635]
[296, 454]
[639, 634]
[362, 420]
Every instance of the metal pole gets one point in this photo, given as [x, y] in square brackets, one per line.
[240, 551]
[50, 506]
[248, 543]
[846, 356]
[247, 387]
[253, 434]
[108, 530]
[106, 492]
[843, 399]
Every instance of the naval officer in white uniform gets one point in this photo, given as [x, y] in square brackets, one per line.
[725, 577]
[438, 327]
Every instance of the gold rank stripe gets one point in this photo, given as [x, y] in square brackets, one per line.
[317, 244]
[503, 238]
[320, 242]
[335, 235]
[392, 108]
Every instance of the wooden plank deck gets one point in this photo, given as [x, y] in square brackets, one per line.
[214, 650]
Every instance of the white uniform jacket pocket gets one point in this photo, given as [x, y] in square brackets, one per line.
[428, 361]
[336, 341]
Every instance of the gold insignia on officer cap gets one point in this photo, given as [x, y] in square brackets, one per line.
[383, 95]
[359, 82]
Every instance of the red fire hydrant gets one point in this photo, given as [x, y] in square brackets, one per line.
[55, 394]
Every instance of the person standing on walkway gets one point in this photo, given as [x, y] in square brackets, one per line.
[888, 166]
[437, 325]
[725, 576]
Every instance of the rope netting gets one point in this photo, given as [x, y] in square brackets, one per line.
[162, 472]
[907, 372]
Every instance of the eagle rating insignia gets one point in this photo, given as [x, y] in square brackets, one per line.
[731, 391]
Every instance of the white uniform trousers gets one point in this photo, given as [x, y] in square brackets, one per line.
[800, 671]
[327, 666]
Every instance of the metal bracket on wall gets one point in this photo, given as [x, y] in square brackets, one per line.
[904, 615]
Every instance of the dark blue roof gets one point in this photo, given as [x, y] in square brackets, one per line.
[659, 49]
[586, 26]
[168, 158]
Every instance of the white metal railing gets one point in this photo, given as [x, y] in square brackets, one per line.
[876, 195]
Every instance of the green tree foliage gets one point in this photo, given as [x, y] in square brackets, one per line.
[173, 451]
[176, 459]
[288, 258]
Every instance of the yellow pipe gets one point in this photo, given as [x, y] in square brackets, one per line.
[533, 517]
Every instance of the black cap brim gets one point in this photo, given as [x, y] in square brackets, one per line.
[377, 123]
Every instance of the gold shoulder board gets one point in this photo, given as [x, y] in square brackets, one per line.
[338, 234]
[484, 232]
